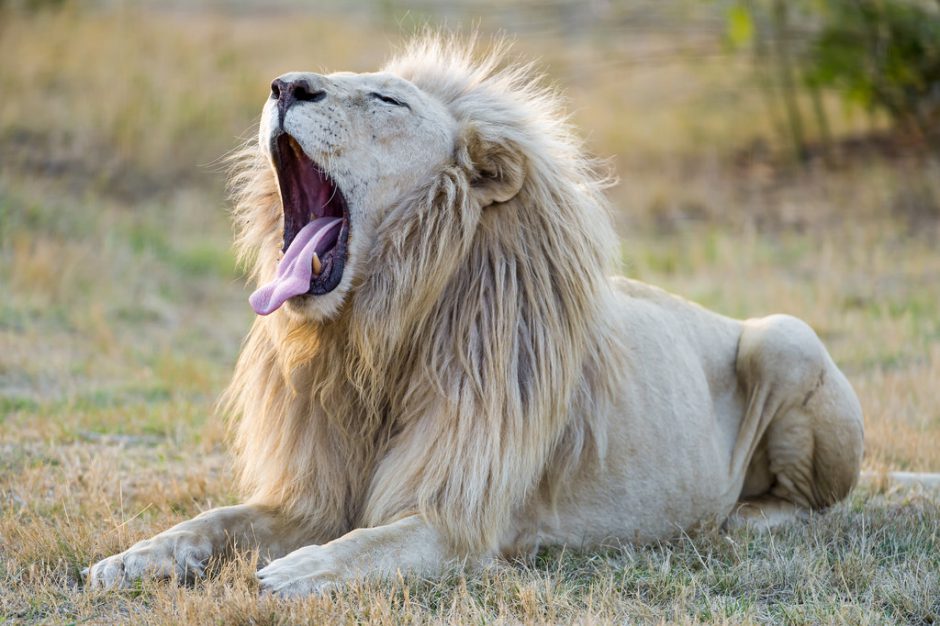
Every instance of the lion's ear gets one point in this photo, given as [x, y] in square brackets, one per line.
[497, 166]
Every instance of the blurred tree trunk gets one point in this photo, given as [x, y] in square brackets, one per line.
[822, 121]
[767, 89]
[788, 85]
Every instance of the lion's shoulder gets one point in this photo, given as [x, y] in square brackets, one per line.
[644, 296]
[642, 291]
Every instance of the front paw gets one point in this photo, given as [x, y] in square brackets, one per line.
[307, 571]
[180, 555]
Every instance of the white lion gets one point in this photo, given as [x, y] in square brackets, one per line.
[443, 369]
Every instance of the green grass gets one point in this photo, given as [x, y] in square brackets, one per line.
[121, 314]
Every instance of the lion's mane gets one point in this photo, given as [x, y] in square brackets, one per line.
[459, 376]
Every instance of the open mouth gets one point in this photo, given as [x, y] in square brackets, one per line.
[316, 229]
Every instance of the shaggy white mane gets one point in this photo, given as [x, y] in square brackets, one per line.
[467, 341]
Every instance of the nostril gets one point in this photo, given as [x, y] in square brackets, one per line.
[304, 94]
[289, 92]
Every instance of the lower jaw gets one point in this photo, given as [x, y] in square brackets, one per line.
[335, 263]
[329, 283]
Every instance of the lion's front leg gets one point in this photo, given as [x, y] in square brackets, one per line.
[184, 549]
[409, 546]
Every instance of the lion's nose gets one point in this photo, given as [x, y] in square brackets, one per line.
[289, 91]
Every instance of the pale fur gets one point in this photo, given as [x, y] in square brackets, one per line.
[473, 286]
[477, 386]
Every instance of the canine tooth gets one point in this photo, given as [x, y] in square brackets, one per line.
[315, 264]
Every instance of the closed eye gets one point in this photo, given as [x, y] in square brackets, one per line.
[388, 100]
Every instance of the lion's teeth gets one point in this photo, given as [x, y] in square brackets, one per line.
[315, 264]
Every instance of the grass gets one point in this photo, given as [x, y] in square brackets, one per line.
[873, 559]
[122, 313]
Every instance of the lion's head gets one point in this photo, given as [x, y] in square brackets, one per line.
[344, 148]
[462, 244]
[356, 160]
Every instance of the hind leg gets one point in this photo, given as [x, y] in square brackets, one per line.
[805, 419]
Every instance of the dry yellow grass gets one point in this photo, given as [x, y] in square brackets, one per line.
[121, 313]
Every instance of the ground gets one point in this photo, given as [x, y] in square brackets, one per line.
[121, 312]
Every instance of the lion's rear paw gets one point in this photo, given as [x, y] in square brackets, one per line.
[764, 513]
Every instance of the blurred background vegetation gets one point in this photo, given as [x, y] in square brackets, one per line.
[772, 156]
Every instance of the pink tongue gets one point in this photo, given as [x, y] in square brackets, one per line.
[294, 271]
